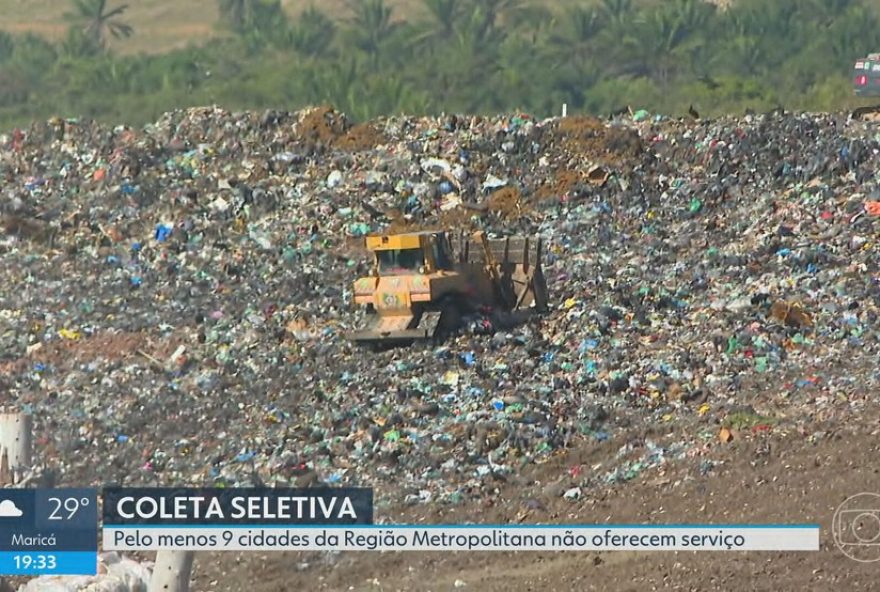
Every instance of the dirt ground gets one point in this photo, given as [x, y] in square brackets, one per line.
[760, 478]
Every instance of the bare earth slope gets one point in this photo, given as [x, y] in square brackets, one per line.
[760, 480]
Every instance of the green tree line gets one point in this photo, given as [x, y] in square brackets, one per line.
[475, 56]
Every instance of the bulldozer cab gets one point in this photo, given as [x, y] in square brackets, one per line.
[406, 254]
[867, 76]
[396, 261]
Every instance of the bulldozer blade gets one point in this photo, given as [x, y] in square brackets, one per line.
[515, 264]
[519, 264]
[391, 329]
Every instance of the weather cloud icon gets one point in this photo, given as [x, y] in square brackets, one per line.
[8, 509]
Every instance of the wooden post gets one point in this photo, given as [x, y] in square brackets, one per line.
[172, 571]
[15, 446]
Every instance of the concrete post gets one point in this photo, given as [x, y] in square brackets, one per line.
[16, 446]
[172, 571]
[16, 449]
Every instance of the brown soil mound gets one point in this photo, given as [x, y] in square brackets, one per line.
[560, 184]
[623, 141]
[459, 218]
[791, 314]
[580, 125]
[506, 201]
[321, 124]
[109, 346]
[590, 137]
[325, 126]
[362, 136]
[32, 230]
[399, 224]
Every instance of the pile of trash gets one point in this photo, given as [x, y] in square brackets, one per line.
[175, 296]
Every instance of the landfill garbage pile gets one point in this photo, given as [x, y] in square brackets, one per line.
[174, 296]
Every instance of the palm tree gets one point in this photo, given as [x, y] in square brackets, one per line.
[573, 50]
[617, 13]
[574, 39]
[478, 30]
[445, 13]
[443, 20]
[855, 33]
[618, 19]
[7, 46]
[782, 18]
[265, 24]
[827, 11]
[661, 39]
[373, 26]
[333, 82]
[664, 38]
[78, 44]
[693, 15]
[741, 22]
[235, 13]
[313, 33]
[464, 71]
[392, 95]
[252, 16]
[746, 54]
[520, 82]
[98, 21]
[487, 15]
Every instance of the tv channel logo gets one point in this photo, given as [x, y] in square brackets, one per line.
[856, 527]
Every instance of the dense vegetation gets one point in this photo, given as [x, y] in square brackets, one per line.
[457, 56]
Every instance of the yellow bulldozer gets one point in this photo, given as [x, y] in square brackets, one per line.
[420, 289]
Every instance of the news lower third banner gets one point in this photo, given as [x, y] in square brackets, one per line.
[341, 519]
[470, 537]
